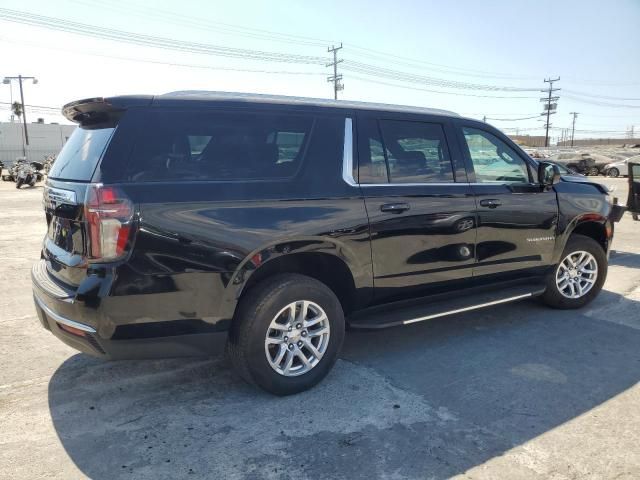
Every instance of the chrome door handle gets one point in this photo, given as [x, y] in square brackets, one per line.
[394, 207]
[490, 203]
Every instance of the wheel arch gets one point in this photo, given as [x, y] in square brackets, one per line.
[592, 225]
[324, 260]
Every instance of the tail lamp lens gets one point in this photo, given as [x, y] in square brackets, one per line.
[108, 213]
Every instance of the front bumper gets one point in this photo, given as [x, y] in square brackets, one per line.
[77, 325]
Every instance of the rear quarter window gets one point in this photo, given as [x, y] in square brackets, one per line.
[218, 146]
[80, 155]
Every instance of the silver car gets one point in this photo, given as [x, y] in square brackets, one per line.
[619, 168]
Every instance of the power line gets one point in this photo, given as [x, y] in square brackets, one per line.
[159, 62]
[388, 73]
[582, 94]
[511, 119]
[418, 89]
[154, 41]
[598, 103]
[247, 32]
[207, 25]
[211, 49]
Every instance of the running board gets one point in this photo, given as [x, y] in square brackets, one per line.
[388, 316]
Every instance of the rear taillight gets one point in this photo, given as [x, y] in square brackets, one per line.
[109, 213]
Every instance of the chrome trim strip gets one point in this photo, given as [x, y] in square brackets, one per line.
[347, 153]
[466, 309]
[63, 320]
[452, 184]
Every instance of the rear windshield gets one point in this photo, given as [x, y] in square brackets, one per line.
[78, 158]
[215, 145]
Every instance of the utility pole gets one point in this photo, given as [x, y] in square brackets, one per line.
[573, 126]
[335, 78]
[630, 132]
[551, 105]
[19, 78]
[484, 119]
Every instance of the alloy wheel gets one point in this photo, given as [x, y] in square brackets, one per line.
[576, 274]
[297, 338]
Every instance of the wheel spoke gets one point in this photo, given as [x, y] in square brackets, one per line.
[289, 362]
[319, 332]
[314, 350]
[291, 317]
[303, 358]
[315, 321]
[273, 340]
[278, 326]
[280, 356]
[304, 310]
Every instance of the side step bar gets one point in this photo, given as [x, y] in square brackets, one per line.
[389, 316]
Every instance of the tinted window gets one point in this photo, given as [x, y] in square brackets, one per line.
[493, 160]
[78, 158]
[416, 152]
[219, 146]
[372, 166]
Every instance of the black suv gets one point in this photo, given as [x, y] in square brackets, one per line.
[183, 222]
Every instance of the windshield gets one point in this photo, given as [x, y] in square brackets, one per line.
[80, 155]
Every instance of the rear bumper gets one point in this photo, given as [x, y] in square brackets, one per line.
[78, 325]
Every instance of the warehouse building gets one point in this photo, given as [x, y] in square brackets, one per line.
[44, 139]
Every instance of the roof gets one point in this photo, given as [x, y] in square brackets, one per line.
[203, 95]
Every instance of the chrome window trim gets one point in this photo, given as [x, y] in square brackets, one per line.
[348, 165]
[414, 184]
[347, 153]
[63, 320]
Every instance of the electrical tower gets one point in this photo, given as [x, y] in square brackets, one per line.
[573, 126]
[335, 78]
[551, 105]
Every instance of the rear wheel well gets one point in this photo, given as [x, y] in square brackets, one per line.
[326, 268]
[593, 230]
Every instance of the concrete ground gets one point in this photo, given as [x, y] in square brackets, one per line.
[518, 391]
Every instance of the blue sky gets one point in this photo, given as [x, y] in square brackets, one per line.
[592, 46]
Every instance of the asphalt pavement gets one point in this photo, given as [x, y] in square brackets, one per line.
[517, 391]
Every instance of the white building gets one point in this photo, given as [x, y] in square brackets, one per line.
[44, 139]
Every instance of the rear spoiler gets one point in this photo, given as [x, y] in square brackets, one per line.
[100, 110]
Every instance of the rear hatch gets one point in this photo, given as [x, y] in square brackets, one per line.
[87, 222]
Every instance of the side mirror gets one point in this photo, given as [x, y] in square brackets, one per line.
[548, 174]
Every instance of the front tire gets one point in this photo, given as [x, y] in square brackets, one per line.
[593, 172]
[579, 276]
[287, 333]
[613, 172]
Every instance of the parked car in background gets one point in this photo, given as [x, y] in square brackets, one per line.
[181, 222]
[590, 164]
[620, 167]
[564, 170]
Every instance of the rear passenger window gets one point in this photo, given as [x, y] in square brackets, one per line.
[219, 146]
[416, 152]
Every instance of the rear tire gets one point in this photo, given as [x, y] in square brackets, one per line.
[271, 312]
[560, 293]
[593, 172]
